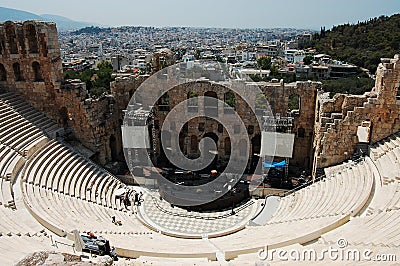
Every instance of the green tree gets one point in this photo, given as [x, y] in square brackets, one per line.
[97, 81]
[353, 85]
[362, 44]
[264, 62]
[103, 73]
[230, 99]
[308, 59]
[274, 70]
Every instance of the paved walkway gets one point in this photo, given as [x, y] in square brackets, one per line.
[159, 214]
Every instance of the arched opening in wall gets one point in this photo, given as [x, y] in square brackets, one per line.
[201, 127]
[227, 146]
[243, 152]
[17, 72]
[32, 39]
[3, 73]
[211, 104]
[261, 104]
[21, 40]
[220, 128]
[165, 148]
[194, 145]
[250, 130]
[256, 150]
[11, 39]
[163, 103]
[182, 135]
[37, 72]
[182, 144]
[230, 101]
[64, 116]
[242, 147]
[301, 132]
[215, 138]
[113, 148]
[166, 139]
[294, 104]
[192, 103]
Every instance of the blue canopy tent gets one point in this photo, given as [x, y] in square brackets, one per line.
[278, 165]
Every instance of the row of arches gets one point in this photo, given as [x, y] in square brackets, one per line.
[262, 101]
[211, 103]
[193, 146]
[19, 75]
[16, 37]
[229, 99]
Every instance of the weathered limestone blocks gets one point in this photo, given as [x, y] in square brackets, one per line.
[380, 107]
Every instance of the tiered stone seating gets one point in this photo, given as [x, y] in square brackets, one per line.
[18, 222]
[10, 164]
[65, 191]
[386, 159]
[379, 225]
[276, 235]
[67, 213]
[320, 199]
[19, 134]
[58, 168]
[12, 105]
[15, 248]
[376, 229]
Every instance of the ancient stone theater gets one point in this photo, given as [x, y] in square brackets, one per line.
[57, 196]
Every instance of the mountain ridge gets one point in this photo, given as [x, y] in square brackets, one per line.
[63, 23]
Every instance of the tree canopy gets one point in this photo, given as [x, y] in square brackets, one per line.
[264, 62]
[97, 80]
[362, 44]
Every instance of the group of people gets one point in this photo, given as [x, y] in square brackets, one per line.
[132, 195]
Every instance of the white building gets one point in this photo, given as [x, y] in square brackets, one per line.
[294, 56]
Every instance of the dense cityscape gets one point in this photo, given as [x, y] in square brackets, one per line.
[130, 49]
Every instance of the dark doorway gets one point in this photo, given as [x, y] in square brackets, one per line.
[256, 149]
[3, 73]
[64, 117]
[214, 137]
[113, 148]
[211, 104]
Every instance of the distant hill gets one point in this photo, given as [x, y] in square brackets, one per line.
[63, 23]
[362, 44]
[14, 14]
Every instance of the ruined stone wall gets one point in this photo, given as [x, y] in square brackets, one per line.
[337, 119]
[278, 95]
[94, 122]
[30, 65]
[30, 59]
[123, 89]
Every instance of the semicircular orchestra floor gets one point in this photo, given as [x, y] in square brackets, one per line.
[161, 216]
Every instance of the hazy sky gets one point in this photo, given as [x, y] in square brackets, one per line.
[213, 13]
